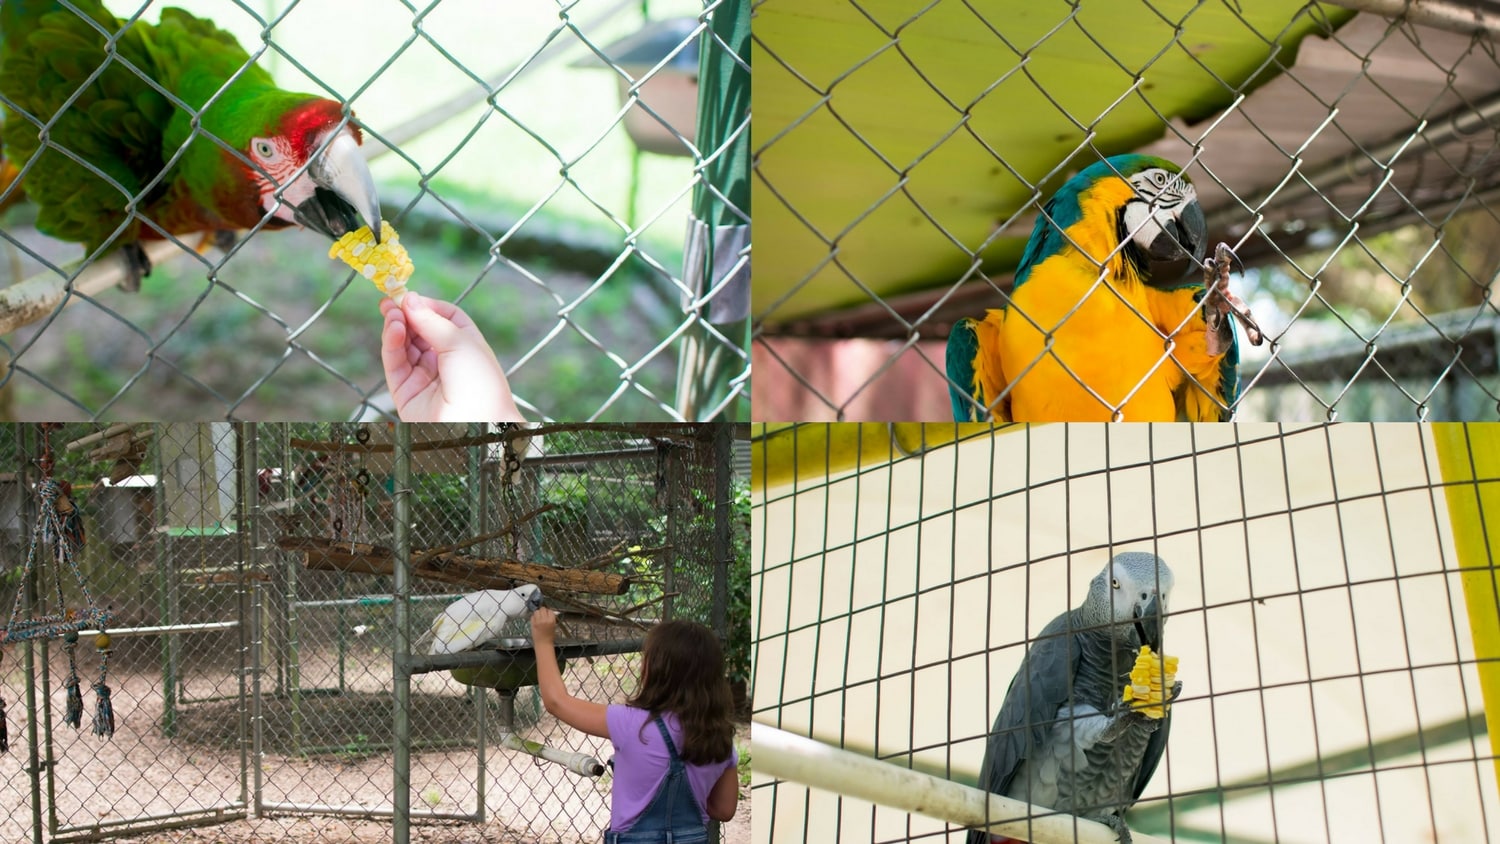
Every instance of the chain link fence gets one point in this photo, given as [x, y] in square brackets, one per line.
[548, 167]
[1336, 647]
[904, 152]
[249, 571]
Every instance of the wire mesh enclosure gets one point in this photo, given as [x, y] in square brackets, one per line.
[1333, 612]
[548, 168]
[256, 613]
[1345, 151]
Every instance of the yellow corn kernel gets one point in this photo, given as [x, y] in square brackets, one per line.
[1151, 677]
[386, 263]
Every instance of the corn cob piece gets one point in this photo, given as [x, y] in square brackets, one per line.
[1151, 679]
[385, 263]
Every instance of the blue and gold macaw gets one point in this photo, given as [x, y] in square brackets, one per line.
[1085, 334]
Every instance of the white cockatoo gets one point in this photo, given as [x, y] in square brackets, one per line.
[479, 617]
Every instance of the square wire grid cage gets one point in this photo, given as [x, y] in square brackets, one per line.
[1334, 659]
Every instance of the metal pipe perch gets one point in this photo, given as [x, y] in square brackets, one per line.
[579, 763]
[788, 756]
[1464, 18]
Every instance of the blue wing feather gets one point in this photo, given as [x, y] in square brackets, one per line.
[963, 348]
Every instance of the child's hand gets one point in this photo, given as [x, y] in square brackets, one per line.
[543, 627]
[439, 367]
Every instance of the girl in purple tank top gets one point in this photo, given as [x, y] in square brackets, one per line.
[675, 762]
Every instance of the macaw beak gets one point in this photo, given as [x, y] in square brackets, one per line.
[1148, 623]
[344, 198]
[1185, 234]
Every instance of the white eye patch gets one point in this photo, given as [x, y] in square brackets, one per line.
[1141, 223]
[1159, 195]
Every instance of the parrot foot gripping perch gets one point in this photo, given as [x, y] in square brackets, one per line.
[1220, 303]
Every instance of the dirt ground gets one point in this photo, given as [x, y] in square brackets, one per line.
[315, 830]
[330, 749]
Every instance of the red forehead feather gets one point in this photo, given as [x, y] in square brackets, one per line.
[303, 124]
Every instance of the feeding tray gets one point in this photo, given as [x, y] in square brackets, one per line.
[517, 669]
[510, 663]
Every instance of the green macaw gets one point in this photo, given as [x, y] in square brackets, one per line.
[1085, 334]
[111, 159]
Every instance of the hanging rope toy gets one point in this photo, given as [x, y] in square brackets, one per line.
[104, 711]
[59, 524]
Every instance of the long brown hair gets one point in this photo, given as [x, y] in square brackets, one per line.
[683, 669]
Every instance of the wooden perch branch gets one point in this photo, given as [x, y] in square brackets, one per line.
[117, 428]
[449, 567]
[38, 297]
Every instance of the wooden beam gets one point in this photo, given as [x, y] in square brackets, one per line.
[451, 567]
[675, 430]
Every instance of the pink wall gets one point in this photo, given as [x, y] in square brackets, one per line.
[911, 389]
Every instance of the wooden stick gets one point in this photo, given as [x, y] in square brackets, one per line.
[123, 445]
[510, 528]
[642, 605]
[38, 297]
[614, 554]
[117, 428]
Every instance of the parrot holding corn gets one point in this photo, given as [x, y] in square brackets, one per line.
[1066, 738]
[478, 617]
[252, 152]
[1074, 348]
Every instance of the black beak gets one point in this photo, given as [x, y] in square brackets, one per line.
[344, 197]
[328, 213]
[1148, 624]
[534, 603]
[1185, 236]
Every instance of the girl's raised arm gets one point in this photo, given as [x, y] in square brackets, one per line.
[584, 715]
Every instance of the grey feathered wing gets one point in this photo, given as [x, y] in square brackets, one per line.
[1041, 687]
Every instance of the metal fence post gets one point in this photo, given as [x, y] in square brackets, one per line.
[401, 654]
[246, 503]
[28, 658]
[723, 468]
[669, 573]
[716, 261]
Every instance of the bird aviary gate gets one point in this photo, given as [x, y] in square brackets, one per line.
[1334, 613]
[573, 175]
[255, 609]
[1345, 150]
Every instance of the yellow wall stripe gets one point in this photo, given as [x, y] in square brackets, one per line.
[1470, 459]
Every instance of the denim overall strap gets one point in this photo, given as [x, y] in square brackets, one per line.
[672, 817]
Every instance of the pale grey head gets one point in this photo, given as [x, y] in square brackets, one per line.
[533, 595]
[1130, 594]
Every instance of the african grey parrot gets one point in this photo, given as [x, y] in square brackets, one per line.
[1063, 739]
